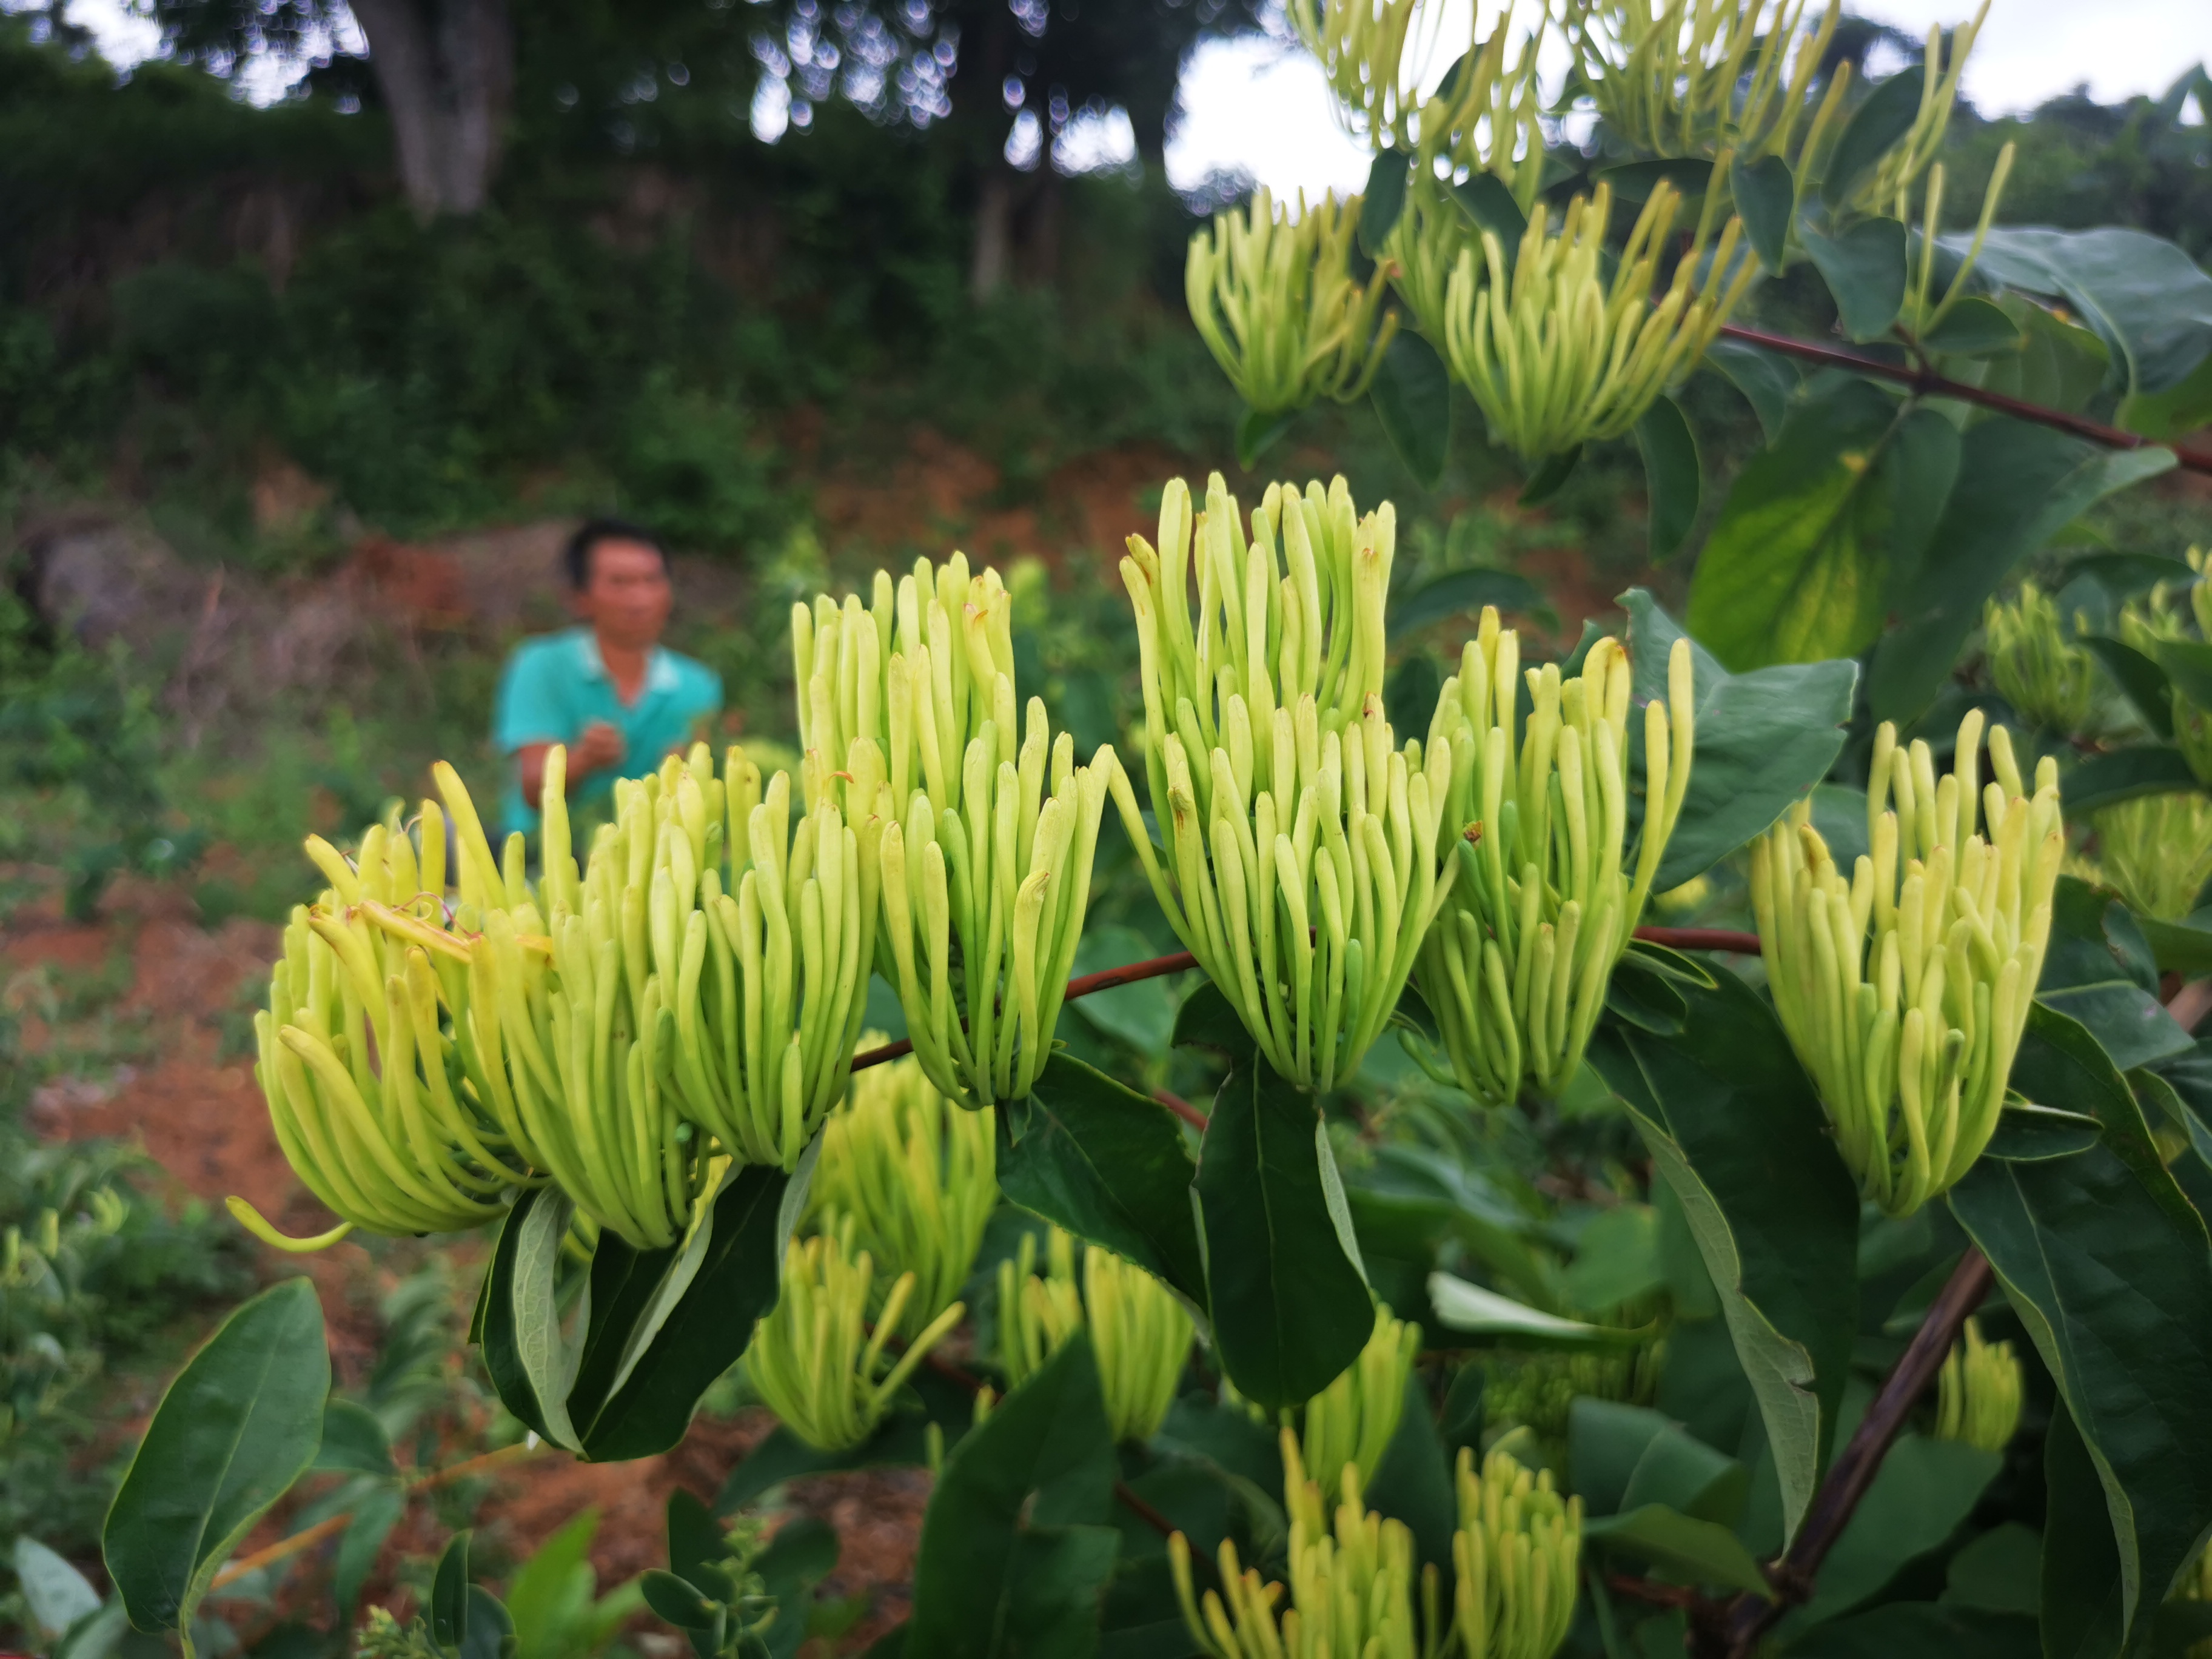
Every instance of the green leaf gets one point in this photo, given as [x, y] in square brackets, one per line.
[2123, 775]
[1464, 592]
[1617, 1256]
[1998, 1572]
[1922, 1492]
[2099, 969]
[491, 1629]
[1672, 476]
[1864, 270]
[1701, 1551]
[374, 1516]
[1258, 430]
[1634, 181]
[1108, 1165]
[2188, 666]
[354, 1441]
[2058, 365]
[1208, 1019]
[448, 1608]
[1487, 201]
[2173, 413]
[1732, 1125]
[1920, 1630]
[2018, 486]
[2085, 1596]
[1972, 328]
[1412, 400]
[2182, 947]
[1289, 1308]
[2146, 298]
[1766, 197]
[1763, 738]
[675, 1602]
[55, 1593]
[521, 1327]
[1015, 1551]
[2141, 680]
[1413, 1481]
[1383, 201]
[1768, 380]
[1141, 1015]
[902, 1441]
[550, 1594]
[236, 1429]
[1472, 1310]
[1874, 129]
[1817, 532]
[2027, 1133]
[1548, 479]
[2116, 1291]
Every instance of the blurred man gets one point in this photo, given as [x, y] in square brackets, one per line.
[607, 689]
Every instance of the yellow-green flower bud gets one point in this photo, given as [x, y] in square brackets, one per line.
[814, 1360]
[1139, 1332]
[1543, 902]
[2036, 665]
[2151, 622]
[1349, 1423]
[1300, 859]
[1518, 1555]
[1905, 992]
[1555, 353]
[1275, 302]
[917, 1180]
[1978, 1393]
[2157, 851]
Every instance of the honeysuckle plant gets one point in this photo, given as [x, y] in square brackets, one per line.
[1762, 989]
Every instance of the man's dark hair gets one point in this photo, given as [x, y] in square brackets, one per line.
[576, 557]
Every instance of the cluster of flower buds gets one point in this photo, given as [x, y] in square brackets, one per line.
[814, 1359]
[1139, 1333]
[916, 1179]
[1943, 65]
[1351, 1584]
[1349, 1424]
[1274, 299]
[2156, 622]
[1300, 866]
[2157, 851]
[1555, 353]
[1978, 1393]
[908, 714]
[1905, 992]
[1543, 902]
[2036, 663]
[1518, 1557]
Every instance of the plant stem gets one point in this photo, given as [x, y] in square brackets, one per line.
[1926, 383]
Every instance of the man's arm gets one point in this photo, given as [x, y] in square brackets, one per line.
[599, 747]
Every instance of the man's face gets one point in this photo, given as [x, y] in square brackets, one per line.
[628, 597]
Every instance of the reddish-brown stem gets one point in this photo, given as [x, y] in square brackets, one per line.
[1925, 383]
[1182, 1108]
[1701, 938]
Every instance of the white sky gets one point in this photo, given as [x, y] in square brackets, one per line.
[1262, 106]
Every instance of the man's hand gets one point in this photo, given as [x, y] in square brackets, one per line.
[600, 747]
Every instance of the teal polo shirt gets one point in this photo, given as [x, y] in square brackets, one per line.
[555, 686]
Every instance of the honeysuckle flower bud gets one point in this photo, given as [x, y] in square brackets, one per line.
[1518, 1554]
[1977, 1396]
[1557, 354]
[2147, 623]
[1905, 991]
[814, 1360]
[2036, 663]
[2157, 851]
[916, 1179]
[1349, 1423]
[1351, 1584]
[1139, 1332]
[1299, 863]
[1275, 302]
[1515, 968]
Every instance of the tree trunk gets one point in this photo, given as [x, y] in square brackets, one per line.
[446, 69]
[993, 249]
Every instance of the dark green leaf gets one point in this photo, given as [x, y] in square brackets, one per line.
[1972, 328]
[675, 1600]
[2191, 1168]
[1872, 132]
[1487, 201]
[1673, 478]
[1634, 181]
[1383, 201]
[2086, 1603]
[1998, 1572]
[491, 1632]
[1732, 1125]
[2188, 666]
[1766, 197]
[1141, 1014]
[804, 1552]
[1864, 270]
[2116, 1291]
[1643, 996]
[238, 1426]
[2027, 1133]
[353, 1440]
[2146, 298]
[1413, 1483]
[694, 1537]
[1257, 432]
[2173, 413]
[1464, 592]
[1412, 400]
[1289, 1309]
[1701, 1551]
[1015, 1551]
[1617, 1258]
[448, 1606]
[2123, 775]
[2123, 576]
[1108, 1165]
[901, 1442]
[2142, 681]
[1768, 380]
[2099, 969]
[2059, 365]
[1605, 1439]
[1922, 1493]
[502, 1353]
[2182, 947]
[1208, 1019]
[1763, 738]
[2018, 486]
[373, 1518]
[1819, 530]
[1548, 479]
[1920, 1630]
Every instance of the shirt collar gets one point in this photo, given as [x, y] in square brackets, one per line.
[660, 673]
